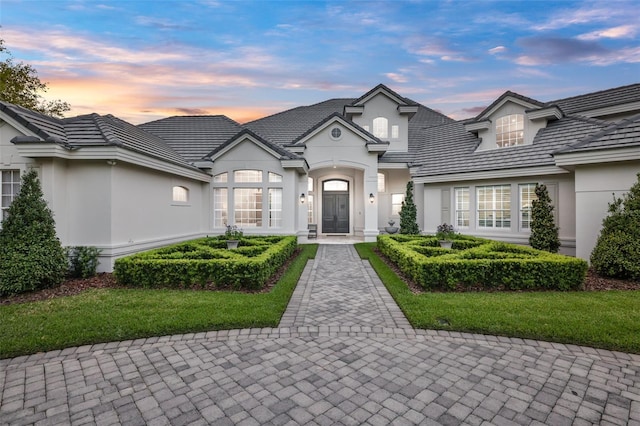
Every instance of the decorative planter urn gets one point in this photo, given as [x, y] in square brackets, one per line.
[232, 244]
[391, 229]
[445, 243]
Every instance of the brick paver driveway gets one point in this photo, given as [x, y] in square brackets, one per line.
[343, 354]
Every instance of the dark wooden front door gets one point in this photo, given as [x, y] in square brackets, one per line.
[335, 213]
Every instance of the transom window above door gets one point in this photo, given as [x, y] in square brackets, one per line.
[335, 185]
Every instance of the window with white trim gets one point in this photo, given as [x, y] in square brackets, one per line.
[396, 203]
[462, 207]
[382, 187]
[10, 184]
[220, 207]
[527, 195]
[247, 207]
[180, 194]
[381, 127]
[494, 206]
[510, 130]
[245, 176]
[275, 207]
[310, 208]
[395, 131]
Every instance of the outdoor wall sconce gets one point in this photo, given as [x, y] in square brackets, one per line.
[111, 162]
[302, 198]
[372, 198]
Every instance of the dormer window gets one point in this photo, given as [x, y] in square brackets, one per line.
[381, 127]
[510, 130]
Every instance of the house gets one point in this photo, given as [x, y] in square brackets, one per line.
[342, 164]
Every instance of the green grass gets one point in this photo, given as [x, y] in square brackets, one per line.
[107, 315]
[607, 319]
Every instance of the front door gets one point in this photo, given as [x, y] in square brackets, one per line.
[335, 207]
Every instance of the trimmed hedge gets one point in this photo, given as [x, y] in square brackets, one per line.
[205, 261]
[476, 262]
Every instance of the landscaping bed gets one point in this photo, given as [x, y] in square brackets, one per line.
[479, 264]
[207, 262]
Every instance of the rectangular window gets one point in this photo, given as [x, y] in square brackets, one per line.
[494, 206]
[310, 207]
[275, 207]
[462, 207]
[242, 176]
[381, 183]
[527, 195]
[220, 207]
[396, 203]
[510, 130]
[395, 131]
[10, 184]
[247, 205]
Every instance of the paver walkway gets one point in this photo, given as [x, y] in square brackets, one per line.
[343, 354]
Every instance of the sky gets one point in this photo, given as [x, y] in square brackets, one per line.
[145, 60]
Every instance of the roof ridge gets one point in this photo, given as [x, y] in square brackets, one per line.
[105, 130]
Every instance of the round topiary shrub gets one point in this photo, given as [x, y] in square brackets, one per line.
[617, 251]
[616, 255]
[31, 257]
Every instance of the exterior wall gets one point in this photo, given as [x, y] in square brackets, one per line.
[395, 183]
[381, 106]
[594, 189]
[439, 207]
[347, 157]
[530, 127]
[248, 156]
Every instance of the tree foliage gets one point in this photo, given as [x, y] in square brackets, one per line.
[20, 85]
[544, 232]
[31, 257]
[408, 213]
[617, 250]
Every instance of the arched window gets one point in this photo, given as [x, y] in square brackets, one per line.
[381, 127]
[180, 194]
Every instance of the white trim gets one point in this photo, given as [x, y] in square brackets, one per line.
[507, 99]
[548, 113]
[597, 156]
[108, 153]
[336, 119]
[478, 125]
[238, 141]
[391, 166]
[492, 174]
[382, 90]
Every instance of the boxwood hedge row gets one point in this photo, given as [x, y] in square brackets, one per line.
[475, 262]
[205, 261]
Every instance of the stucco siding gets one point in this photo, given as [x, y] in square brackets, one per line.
[440, 206]
[595, 186]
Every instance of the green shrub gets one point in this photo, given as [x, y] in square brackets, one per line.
[31, 257]
[617, 250]
[197, 262]
[83, 261]
[409, 213]
[482, 263]
[544, 232]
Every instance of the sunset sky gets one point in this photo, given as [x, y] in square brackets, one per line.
[144, 60]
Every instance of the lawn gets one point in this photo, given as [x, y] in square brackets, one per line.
[105, 315]
[604, 319]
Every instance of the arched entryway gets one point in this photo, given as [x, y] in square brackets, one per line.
[335, 206]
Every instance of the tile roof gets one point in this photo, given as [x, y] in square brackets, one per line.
[42, 125]
[601, 99]
[449, 149]
[193, 137]
[94, 130]
[622, 134]
[287, 126]
[506, 94]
